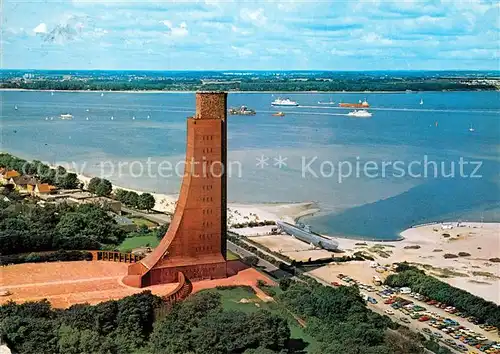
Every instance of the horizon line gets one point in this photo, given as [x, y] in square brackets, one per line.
[259, 70]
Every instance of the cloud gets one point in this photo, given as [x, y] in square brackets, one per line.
[41, 28]
[256, 17]
[374, 38]
[179, 31]
[242, 51]
[435, 34]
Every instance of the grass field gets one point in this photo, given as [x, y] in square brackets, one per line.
[231, 256]
[231, 300]
[141, 221]
[150, 240]
[139, 241]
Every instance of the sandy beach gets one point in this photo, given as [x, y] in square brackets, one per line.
[470, 247]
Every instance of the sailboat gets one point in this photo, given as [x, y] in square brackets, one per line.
[421, 101]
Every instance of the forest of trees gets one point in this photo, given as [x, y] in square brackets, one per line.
[418, 281]
[58, 177]
[340, 321]
[144, 201]
[322, 82]
[336, 318]
[141, 324]
[28, 227]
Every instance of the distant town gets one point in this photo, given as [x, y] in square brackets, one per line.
[291, 81]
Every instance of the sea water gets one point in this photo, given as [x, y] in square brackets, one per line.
[303, 156]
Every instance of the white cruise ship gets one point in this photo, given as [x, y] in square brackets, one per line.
[284, 102]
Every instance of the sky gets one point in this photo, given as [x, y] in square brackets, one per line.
[251, 35]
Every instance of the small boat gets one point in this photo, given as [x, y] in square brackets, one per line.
[46, 118]
[148, 116]
[66, 116]
[51, 118]
[284, 102]
[331, 102]
[242, 111]
[360, 114]
[102, 94]
[15, 107]
[133, 118]
[87, 110]
[471, 129]
[421, 101]
[279, 114]
[52, 93]
[112, 117]
[87, 118]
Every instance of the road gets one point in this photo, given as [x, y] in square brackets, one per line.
[240, 251]
[158, 218]
[242, 239]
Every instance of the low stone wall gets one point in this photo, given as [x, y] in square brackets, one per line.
[114, 256]
[182, 290]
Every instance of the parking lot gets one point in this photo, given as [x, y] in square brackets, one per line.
[429, 318]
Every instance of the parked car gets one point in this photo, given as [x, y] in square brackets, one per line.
[389, 312]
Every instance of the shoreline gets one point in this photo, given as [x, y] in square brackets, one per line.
[233, 92]
[237, 212]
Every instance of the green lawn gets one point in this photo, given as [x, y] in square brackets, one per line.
[142, 241]
[139, 241]
[231, 256]
[231, 301]
[141, 221]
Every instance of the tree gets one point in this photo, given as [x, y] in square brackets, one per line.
[103, 188]
[132, 199]
[162, 230]
[121, 195]
[93, 183]
[146, 201]
[68, 181]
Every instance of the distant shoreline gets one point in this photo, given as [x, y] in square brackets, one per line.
[238, 92]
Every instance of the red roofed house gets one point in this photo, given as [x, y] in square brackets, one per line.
[43, 188]
[8, 174]
[22, 182]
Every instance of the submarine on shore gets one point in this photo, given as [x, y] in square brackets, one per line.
[303, 233]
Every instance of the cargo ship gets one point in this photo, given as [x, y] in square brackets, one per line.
[242, 111]
[304, 233]
[360, 104]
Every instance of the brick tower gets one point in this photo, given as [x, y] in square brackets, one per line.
[195, 242]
